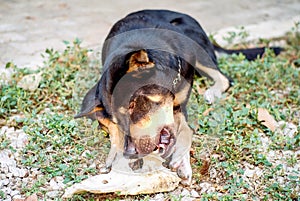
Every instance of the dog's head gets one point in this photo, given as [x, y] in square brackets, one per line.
[151, 124]
[139, 108]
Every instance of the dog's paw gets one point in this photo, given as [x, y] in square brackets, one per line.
[105, 169]
[183, 169]
[212, 94]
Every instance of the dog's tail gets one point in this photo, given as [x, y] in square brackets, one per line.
[250, 53]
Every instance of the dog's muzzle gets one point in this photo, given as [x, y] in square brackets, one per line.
[163, 143]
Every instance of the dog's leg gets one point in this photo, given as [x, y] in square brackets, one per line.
[184, 170]
[116, 143]
[180, 160]
[221, 82]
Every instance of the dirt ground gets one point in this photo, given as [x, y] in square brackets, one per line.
[27, 28]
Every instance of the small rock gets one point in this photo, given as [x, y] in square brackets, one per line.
[288, 129]
[271, 155]
[22, 140]
[4, 182]
[258, 172]
[280, 180]
[18, 172]
[9, 131]
[9, 175]
[195, 194]
[206, 187]
[53, 184]
[249, 173]
[4, 169]
[176, 192]
[6, 159]
[185, 193]
[93, 165]
[3, 130]
[18, 198]
[34, 172]
[53, 194]
[14, 193]
[23, 172]
[213, 173]
[8, 198]
[30, 82]
[158, 197]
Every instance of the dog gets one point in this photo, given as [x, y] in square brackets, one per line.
[149, 61]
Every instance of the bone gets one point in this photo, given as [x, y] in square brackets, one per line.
[151, 178]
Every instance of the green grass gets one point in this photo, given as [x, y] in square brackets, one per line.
[228, 133]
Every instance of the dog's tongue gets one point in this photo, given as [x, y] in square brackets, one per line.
[165, 136]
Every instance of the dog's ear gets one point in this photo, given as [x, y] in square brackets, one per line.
[90, 105]
[92, 108]
[138, 60]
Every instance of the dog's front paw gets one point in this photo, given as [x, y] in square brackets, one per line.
[105, 169]
[183, 169]
[212, 94]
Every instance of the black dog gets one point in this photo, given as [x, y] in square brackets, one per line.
[149, 59]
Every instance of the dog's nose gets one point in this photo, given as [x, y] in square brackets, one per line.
[130, 149]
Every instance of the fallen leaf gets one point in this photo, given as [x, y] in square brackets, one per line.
[205, 167]
[207, 111]
[29, 198]
[267, 119]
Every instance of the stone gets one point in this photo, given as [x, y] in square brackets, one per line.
[249, 173]
[53, 194]
[30, 82]
[3, 130]
[185, 193]
[195, 194]
[158, 197]
[4, 169]
[14, 193]
[289, 129]
[206, 187]
[18, 172]
[22, 139]
[9, 175]
[53, 184]
[4, 182]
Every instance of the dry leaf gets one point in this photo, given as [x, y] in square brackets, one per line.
[267, 119]
[29, 198]
[207, 111]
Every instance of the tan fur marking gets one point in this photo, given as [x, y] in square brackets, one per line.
[155, 98]
[181, 96]
[139, 60]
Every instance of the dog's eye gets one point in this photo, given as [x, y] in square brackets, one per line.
[131, 107]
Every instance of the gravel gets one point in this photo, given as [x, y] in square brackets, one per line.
[14, 176]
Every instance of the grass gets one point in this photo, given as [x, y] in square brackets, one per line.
[228, 136]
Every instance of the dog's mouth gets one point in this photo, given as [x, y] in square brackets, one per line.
[166, 142]
[162, 144]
